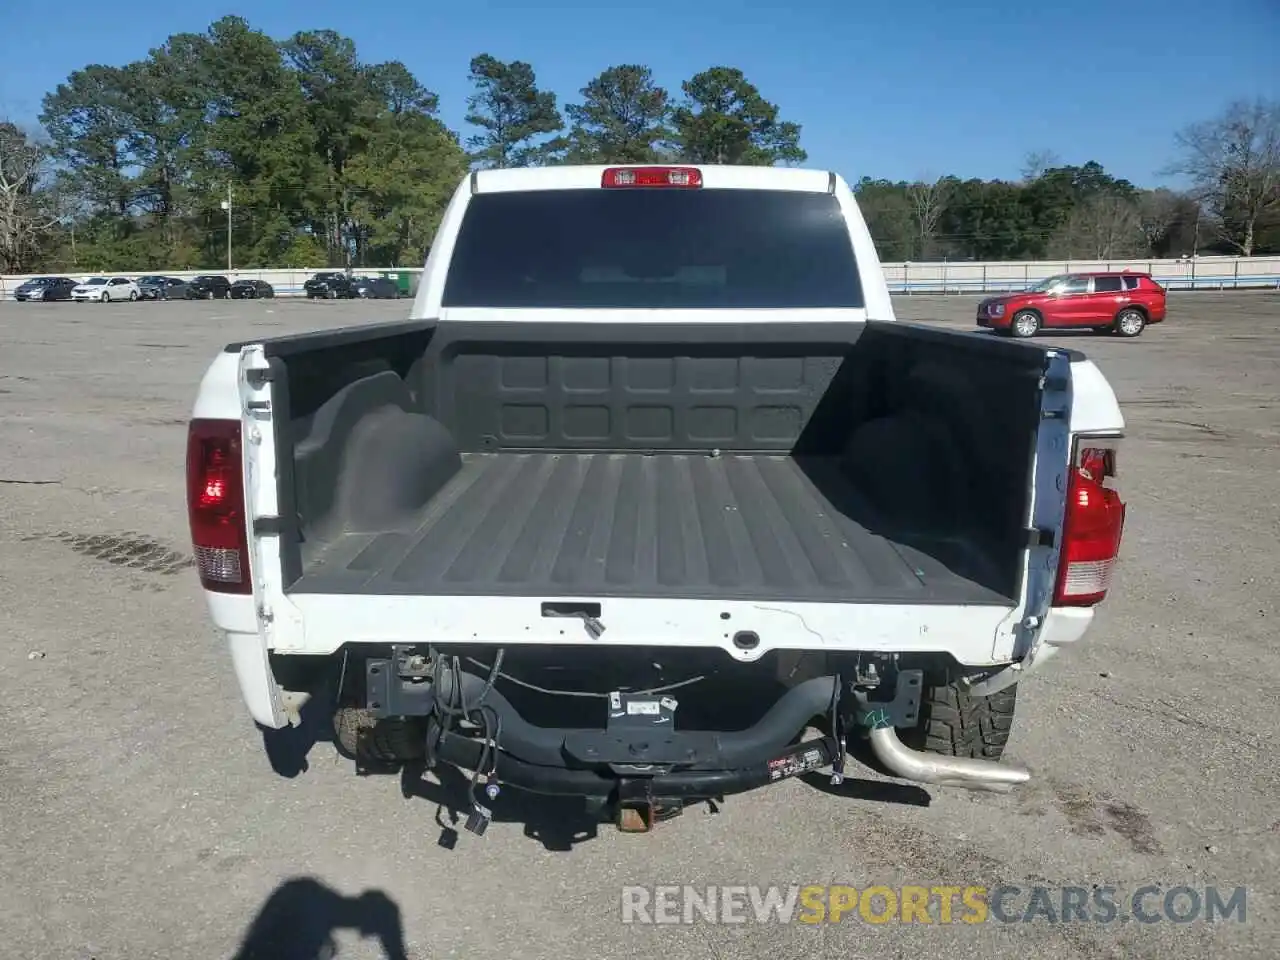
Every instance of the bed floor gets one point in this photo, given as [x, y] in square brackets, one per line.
[584, 525]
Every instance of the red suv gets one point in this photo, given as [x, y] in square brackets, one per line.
[1122, 303]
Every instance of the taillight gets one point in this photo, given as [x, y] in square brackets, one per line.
[1092, 526]
[215, 506]
[684, 177]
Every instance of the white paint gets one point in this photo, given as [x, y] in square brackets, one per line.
[1063, 628]
[426, 304]
[713, 178]
[232, 612]
[219, 394]
[966, 632]
[257, 685]
[1094, 408]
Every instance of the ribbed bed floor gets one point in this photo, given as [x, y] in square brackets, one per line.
[632, 525]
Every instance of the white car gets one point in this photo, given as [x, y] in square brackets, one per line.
[104, 289]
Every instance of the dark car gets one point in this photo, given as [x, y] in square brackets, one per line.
[45, 288]
[163, 288]
[377, 288]
[210, 287]
[330, 286]
[252, 290]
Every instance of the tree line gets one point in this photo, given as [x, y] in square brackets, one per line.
[314, 156]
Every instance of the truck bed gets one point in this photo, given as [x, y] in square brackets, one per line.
[697, 526]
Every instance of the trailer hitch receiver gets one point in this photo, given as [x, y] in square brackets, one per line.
[639, 811]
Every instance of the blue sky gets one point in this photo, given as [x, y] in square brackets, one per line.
[901, 89]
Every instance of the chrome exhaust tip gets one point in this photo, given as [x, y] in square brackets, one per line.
[967, 772]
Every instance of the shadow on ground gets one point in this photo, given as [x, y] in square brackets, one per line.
[298, 922]
[558, 823]
[288, 749]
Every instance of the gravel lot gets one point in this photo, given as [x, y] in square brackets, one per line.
[140, 817]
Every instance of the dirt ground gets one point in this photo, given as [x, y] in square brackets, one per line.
[141, 817]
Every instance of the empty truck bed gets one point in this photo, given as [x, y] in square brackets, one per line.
[583, 525]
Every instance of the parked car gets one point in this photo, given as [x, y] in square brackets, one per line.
[375, 288]
[45, 288]
[210, 287]
[1122, 303]
[164, 288]
[632, 559]
[103, 289]
[330, 285]
[252, 290]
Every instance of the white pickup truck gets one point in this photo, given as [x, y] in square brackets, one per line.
[650, 484]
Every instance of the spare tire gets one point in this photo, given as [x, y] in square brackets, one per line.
[390, 740]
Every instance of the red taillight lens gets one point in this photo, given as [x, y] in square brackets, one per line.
[1092, 526]
[215, 506]
[681, 177]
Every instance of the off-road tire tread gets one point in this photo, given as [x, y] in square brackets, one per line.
[955, 723]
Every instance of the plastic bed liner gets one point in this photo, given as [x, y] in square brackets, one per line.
[696, 526]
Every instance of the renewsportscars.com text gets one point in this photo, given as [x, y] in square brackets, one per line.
[936, 904]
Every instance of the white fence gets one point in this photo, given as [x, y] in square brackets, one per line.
[1204, 273]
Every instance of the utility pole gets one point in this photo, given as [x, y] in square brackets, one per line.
[226, 205]
[70, 224]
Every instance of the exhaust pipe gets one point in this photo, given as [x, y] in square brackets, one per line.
[967, 772]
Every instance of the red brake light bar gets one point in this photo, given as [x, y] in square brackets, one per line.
[679, 177]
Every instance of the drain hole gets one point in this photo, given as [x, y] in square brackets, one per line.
[746, 640]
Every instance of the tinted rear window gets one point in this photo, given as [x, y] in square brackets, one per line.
[642, 249]
[1106, 284]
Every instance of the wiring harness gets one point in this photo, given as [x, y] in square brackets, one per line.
[454, 709]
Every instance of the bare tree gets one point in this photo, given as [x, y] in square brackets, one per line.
[22, 220]
[1106, 227]
[928, 203]
[1233, 161]
[1036, 163]
[1158, 213]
